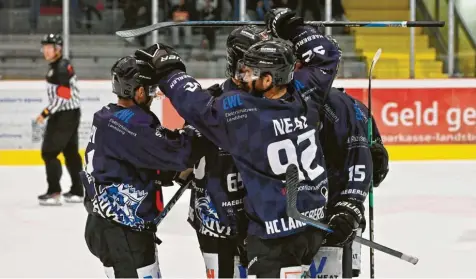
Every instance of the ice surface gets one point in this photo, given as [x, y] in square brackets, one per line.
[426, 209]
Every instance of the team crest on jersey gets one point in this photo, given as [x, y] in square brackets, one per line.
[120, 202]
[205, 210]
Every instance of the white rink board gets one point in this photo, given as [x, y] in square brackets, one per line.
[23, 101]
[424, 209]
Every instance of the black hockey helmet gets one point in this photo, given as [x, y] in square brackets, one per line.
[129, 73]
[53, 39]
[274, 57]
[238, 42]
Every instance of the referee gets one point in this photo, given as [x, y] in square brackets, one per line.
[61, 134]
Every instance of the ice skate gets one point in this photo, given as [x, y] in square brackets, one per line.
[72, 198]
[50, 199]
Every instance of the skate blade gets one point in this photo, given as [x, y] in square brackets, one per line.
[50, 203]
[74, 200]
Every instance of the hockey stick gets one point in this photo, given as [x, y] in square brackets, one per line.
[183, 176]
[371, 189]
[292, 185]
[160, 25]
[171, 203]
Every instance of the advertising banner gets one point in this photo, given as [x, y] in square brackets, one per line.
[423, 115]
[22, 102]
[418, 119]
[405, 111]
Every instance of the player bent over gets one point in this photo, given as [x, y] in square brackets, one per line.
[129, 157]
[265, 127]
[221, 228]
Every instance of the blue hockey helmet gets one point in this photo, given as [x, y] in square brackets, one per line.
[274, 57]
[129, 73]
[238, 42]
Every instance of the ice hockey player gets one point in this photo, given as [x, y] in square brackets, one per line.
[344, 216]
[351, 164]
[63, 116]
[221, 242]
[265, 128]
[129, 157]
[348, 160]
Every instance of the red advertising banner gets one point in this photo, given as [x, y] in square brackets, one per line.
[420, 115]
[408, 115]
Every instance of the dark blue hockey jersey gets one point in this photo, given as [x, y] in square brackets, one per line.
[317, 52]
[128, 156]
[263, 136]
[216, 202]
[344, 137]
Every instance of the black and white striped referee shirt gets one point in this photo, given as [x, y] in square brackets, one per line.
[63, 93]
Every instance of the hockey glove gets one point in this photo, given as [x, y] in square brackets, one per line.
[281, 22]
[165, 178]
[163, 58]
[161, 131]
[184, 177]
[200, 144]
[215, 90]
[380, 162]
[345, 218]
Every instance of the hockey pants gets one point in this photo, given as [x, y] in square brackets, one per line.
[123, 252]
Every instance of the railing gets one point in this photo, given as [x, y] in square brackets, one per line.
[435, 35]
[14, 15]
[464, 47]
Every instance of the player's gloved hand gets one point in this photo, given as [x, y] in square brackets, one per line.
[215, 90]
[200, 144]
[281, 22]
[345, 218]
[165, 178]
[182, 178]
[161, 131]
[163, 57]
[380, 163]
[363, 223]
[191, 131]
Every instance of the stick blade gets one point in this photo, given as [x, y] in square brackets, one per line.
[143, 30]
[292, 189]
[375, 59]
[405, 257]
[292, 184]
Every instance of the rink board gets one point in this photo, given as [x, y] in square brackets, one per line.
[396, 152]
[418, 119]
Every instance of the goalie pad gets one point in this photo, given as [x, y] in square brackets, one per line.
[327, 263]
